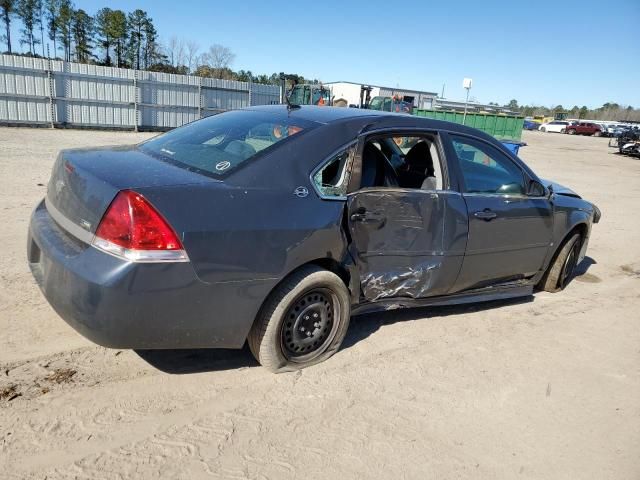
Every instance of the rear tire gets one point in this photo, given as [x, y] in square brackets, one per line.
[562, 267]
[597, 134]
[303, 321]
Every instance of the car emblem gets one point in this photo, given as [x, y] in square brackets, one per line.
[84, 224]
[221, 166]
[301, 192]
[59, 186]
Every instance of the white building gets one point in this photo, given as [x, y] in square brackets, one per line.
[348, 93]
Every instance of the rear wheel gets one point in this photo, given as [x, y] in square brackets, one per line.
[563, 266]
[597, 134]
[303, 322]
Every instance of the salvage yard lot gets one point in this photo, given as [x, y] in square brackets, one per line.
[545, 387]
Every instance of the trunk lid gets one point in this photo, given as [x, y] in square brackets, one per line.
[85, 181]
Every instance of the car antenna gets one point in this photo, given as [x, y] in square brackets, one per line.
[290, 106]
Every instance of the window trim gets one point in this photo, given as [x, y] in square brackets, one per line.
[325, 162]
[405, 132]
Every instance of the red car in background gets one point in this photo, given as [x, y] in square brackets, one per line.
[584, 128]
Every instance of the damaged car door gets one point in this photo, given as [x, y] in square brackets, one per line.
[510, 225]
[407, 242]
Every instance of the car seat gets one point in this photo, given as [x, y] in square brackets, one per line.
[418, 168]
[376, 169]
[240, 149]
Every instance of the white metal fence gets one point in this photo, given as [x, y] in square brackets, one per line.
[38, 91]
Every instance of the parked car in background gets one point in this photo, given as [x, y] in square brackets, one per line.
[556, 126]
[584, 128]
[272, 225]
[612, 129]
[530, 125]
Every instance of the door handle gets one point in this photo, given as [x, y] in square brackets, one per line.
[485, 214]
[365, 217]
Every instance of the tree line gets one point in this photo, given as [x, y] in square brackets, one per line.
[114, 38]
[608, 111]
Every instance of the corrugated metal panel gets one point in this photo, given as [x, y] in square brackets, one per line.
[23, 62]
[95, 95]
[27, 111]
[108, 97]
[264, 94]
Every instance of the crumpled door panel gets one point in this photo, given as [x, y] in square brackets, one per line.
[399, 240]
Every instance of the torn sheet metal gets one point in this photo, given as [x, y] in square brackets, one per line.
[412, 282]
[406, 243]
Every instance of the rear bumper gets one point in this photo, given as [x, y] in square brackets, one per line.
[120, 304]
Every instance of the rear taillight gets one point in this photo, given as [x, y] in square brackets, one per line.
[132, 229]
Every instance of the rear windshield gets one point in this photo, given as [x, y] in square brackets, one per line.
[219, 144]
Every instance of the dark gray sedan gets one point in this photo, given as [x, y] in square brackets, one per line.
[274, 225]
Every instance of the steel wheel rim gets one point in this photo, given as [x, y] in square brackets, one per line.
[569, 265]
[310, 325]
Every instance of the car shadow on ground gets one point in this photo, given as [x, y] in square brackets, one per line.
[362, 326]
[583, 267]
[180, 362]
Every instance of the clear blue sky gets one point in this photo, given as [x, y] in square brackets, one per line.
[547, 53]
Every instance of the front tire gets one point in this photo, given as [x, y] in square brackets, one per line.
[571, 132]
[562, 267]
[303, 321]
[543, 129]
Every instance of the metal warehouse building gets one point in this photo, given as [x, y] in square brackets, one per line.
[349, 92]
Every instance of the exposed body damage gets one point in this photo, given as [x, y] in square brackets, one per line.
[321, 200]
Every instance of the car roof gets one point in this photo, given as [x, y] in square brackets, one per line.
[322, 114]
[369, 119]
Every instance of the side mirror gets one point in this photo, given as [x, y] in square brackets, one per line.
[536, 189]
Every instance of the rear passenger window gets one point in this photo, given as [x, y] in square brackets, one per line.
[485, 169]
[397, 161]
[332, 179]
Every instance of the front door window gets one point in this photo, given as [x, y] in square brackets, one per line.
[486, 170]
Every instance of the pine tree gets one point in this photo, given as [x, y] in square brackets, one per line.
[27, 11]
[40, 14]
[65, 27]
[52, 12]
[118, 31]
[8, 10]
[152, 53]
[103, 28]
[83, 29]
[136, 22]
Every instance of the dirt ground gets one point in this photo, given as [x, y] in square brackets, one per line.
[543, 388]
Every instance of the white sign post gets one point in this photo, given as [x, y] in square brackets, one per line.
[466, 83]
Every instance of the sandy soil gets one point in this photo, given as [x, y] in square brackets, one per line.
[546, 387]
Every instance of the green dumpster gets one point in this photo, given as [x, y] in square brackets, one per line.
[503, 127]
